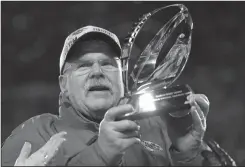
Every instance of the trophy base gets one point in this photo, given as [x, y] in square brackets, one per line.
[160, 102]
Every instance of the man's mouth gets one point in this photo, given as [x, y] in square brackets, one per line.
[99, 88]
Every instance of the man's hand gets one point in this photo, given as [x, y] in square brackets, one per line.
[43, 155]
[192, 141]
[116, 136]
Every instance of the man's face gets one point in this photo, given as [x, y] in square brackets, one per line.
[94, 83]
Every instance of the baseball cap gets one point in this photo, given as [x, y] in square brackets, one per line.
[85, 32]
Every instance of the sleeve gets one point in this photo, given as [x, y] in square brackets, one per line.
[210, 154]
[94, 156]
[187, 158]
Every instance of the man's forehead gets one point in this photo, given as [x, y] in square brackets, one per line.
[95, 56]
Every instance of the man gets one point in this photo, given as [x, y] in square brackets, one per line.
[87, 132]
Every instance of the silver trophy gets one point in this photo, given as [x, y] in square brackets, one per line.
[154, 55]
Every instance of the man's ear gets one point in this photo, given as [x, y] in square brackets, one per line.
[63, 83]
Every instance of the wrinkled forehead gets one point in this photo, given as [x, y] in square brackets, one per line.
[81, 49]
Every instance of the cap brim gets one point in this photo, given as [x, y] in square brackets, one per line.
[99, 36]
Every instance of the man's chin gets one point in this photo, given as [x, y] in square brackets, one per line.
[100, 104]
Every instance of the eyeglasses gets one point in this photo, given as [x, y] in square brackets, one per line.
[85, 66]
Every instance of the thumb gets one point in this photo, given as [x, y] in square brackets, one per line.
[25, 151]
[122, 101]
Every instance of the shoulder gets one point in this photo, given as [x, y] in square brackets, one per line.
[36, 122]
[35, 130]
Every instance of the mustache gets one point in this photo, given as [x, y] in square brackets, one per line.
[97, 82]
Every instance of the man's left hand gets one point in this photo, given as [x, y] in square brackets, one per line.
[191, 142]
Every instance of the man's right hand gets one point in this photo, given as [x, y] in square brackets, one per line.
[116, 136]
[43, 155]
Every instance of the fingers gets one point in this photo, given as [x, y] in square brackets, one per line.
[198, 129]
[115, 112]
[125, 125]
[25, 152]
[201, 115]
[130, 141]
[122, 101]
[129, 134]
[48, 151]
[201, 100]
[196, 100]
[126, 129]
[199, 110]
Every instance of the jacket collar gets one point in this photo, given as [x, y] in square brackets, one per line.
[69, 116]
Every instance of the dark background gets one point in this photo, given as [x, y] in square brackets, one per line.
[33, 34]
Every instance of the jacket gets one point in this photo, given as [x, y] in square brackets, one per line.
[81, 147]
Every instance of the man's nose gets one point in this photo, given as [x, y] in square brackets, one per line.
[96, 70]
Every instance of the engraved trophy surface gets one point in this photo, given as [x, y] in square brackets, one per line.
[154, 55]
